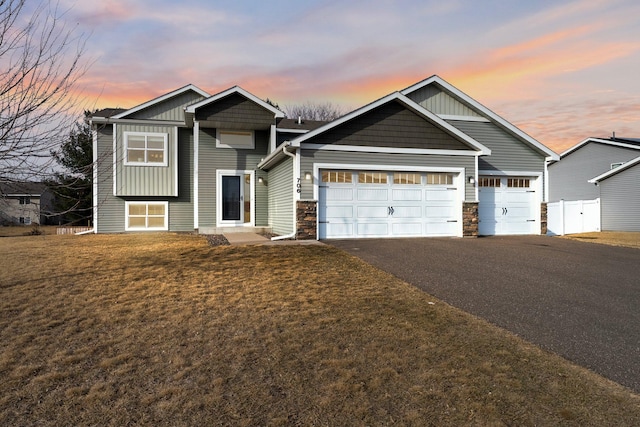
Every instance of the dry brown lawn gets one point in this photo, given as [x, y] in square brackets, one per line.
[162, 329]
[614, 238]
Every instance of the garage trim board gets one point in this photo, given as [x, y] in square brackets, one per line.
[367, 201]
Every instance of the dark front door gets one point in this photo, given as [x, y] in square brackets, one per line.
[231, 198]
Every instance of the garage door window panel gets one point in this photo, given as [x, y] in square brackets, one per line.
[404, 178]
[439, 178]
[372, 177]
[338, 177]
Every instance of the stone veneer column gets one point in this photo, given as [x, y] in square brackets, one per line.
[470, 219]
[543, 219]
[306, 216]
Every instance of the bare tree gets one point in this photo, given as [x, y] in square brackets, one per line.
[314, 111]
[40, 64]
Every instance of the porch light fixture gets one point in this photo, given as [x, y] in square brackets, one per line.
[261, 180]
[307, 176]
[471, 180]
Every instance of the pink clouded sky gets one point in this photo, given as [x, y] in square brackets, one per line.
[560, 70]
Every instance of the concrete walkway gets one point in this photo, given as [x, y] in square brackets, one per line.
[240, 239]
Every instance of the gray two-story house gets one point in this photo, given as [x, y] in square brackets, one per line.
[425, 161]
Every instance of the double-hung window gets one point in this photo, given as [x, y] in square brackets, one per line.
[147, 216]
[145, 149]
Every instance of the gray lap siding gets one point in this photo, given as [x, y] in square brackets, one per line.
[281, 204]
[212, 159]
[620, 201]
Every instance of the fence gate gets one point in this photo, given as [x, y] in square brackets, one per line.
[571, 217]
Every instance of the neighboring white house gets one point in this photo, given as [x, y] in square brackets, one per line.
[20, 202]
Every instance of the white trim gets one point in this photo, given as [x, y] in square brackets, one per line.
[598, 141]
[94, 136]
[617, 170]
[285, 130]
[236, 89]
[296, 173]
[165, 227]
[196, 164]
[251, 146]
[464, 118]
[161, 98]
[146, 122]
[477, 175]
[273, 139]
[175, 162]
[392, 150]
[125, 143]
[397, 96]
[241, 174]
[484, 110]
[115, 159]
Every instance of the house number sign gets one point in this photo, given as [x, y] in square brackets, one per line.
[299, 186]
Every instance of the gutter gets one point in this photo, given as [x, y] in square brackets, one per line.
[293, 156]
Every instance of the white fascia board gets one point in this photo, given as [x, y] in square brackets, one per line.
[236, 89]
[397, 96]
[614, 171]
[464, 118]
[486, 111]
[275, 156]
[161, 99]
[292, 130]
[389, 150]
[598, 141]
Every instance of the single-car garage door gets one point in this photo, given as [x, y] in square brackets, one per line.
[507, 206]
[359, 204]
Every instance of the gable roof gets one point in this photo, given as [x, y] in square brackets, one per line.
[302, 125]
[160, 99]
[615, 171]
[632, 143]
[456, 93]
[108, 112]
[235, 89]
[408, 103]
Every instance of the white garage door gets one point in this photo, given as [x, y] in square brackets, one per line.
[507, 206]
[357, 204]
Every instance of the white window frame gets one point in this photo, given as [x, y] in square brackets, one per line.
[250, 146]
[165, 227]
[165, 137]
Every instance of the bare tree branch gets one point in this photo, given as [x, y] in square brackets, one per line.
[314, 111]
[40, 64]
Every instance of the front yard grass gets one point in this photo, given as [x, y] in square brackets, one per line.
[163, 329]
[630, 239]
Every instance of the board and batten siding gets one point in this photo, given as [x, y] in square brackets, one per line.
[210, 159]
[309, 157]
[169, 110]
[439, 102]
[146, 180]
[568, 178]
[390, 125]
[280, 181]
[620, 201]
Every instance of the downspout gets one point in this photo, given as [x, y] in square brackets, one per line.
[290, 235]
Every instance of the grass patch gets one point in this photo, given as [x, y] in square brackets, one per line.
[614, 238]
[163, 329]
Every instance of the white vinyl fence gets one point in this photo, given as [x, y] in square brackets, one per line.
[571, 217]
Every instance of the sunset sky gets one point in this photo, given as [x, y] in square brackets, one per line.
[560, 70]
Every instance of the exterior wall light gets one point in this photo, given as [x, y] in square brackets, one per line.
[471, 180]
[307, 176]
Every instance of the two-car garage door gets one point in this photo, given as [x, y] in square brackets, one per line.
[360, 204]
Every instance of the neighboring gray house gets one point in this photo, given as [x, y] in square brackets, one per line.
[569, 177]
[425, 161]
[587, 187]
[620, 197]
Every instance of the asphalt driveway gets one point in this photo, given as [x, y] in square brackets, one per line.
[579, 300]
